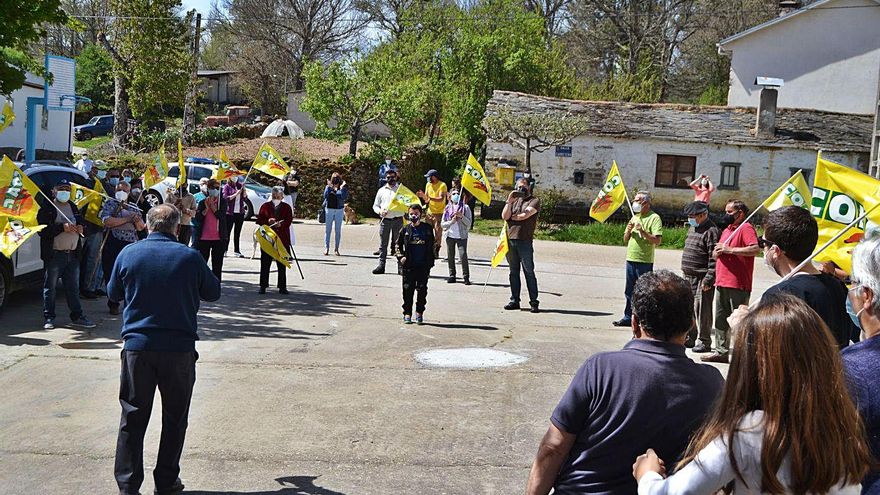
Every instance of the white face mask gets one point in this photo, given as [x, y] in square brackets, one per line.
[204, 188]
[276, 202]
[136, 191]
[637, 207]
[387, 162]
[121, 195]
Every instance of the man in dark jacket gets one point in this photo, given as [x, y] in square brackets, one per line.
[60, 249]
[415, 254]
[698, 267]
[160, 334]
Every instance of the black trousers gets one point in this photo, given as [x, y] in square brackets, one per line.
[235, 220]
[213, 250]
[174, 374]
[266, 265]
[184, 233]
[415, 280]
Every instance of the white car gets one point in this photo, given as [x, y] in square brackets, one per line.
[196, 169]
[25, 267]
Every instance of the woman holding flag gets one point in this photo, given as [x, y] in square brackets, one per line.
[278, 216]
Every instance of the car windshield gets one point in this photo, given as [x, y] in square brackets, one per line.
[93, 121]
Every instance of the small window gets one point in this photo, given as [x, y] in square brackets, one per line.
[675, 171]
[805, 171]
[579, 178]
[729, 176]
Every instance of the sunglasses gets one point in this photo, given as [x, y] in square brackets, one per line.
[762, 243]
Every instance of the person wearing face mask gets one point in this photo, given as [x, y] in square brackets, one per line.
[390, 222]
[861, 361]
[211, 216]
[277, 215]
[456, 222]
[196, 225]
[84, 163]
[60, 249]
[127, 176]
[122, 223]
[235, 194]
[384, 167]
[698, 267]
[335, 195]
[415, 255]
[521, 214]
[186, 205]
[114, 177]
[790, 235]
[703, 188]
[642, 235]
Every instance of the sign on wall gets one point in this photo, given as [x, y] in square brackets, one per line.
[563, 151]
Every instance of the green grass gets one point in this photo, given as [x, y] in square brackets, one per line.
[91, 143]
[606, 234]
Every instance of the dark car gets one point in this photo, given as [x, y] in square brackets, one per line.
[100, 125]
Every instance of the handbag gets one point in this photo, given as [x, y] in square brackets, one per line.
[322, 215]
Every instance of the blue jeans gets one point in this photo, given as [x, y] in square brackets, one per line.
[521, 253]
[65, 265]
[334, 217]
[634, 270]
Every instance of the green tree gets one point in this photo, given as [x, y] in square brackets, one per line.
[23, 24]
[94, 76]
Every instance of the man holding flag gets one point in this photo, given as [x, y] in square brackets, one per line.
[277, 216]
[643, 234]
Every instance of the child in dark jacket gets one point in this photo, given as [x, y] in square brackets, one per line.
[415, 254]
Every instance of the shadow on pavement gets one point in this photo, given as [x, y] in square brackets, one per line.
[291, 485]
[575, 312]
[462, 326]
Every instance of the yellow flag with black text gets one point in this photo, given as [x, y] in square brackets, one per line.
[474, 180]
[158, 171]
[271, 245]
[18, 193]
[501, 247]
[14, 232]
[225, 169]
[840, 196]
[6, 116]
[403, 199]
[181, 177]
[794, 192]
[270, 162]
[611, 197]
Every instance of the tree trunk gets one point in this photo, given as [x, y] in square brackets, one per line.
[120, 110]
[353, 144]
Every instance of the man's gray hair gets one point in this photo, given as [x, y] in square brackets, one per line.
[866, 265]
[646, 195]
[163, 218]
[277, 190]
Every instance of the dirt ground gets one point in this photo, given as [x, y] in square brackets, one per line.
[245, 149]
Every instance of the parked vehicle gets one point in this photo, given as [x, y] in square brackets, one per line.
[25, 267]
[196, 169]
[235, 114]
[99, 125]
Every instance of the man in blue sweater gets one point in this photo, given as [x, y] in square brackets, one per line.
[160, 335]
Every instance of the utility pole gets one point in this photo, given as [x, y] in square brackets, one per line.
[189, 110]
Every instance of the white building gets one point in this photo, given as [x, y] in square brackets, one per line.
[219, 87]
[54, 128]
[828, 53]
[662, 147]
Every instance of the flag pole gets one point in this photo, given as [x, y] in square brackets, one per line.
[741, 225]
[628, 203]
[487, 279]
[292, 252]
[830, 242]
[52, 202]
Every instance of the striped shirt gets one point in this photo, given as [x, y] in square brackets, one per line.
[696, 259]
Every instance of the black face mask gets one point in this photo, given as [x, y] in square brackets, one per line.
[728, 219]
[336, 180]
[522, 190]
[391, 181]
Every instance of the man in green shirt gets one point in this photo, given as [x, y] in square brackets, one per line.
[643, 233]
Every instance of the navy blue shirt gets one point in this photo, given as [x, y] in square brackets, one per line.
[619, 404]
[827, 296]
[162, 283]
[861, 362]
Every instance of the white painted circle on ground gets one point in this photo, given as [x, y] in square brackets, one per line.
[471, 357]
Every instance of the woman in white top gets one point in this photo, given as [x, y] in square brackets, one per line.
[785, 422]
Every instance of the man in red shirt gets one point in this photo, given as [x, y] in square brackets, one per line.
[735, 262]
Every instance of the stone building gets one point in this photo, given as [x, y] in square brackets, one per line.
[661, 147]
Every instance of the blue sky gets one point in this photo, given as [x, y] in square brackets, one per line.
[203, 6]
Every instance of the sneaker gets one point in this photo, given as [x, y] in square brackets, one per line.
[377, 252]
[700, 348]
[283, 292]
[83, 322]
[238, 255]
[49, 324]
[419, 319]
[407, 319]
[622, 323]
[533, 308]
[379, 270]
[450, 280]
[467, 281]
[511, 306]
[715, 358]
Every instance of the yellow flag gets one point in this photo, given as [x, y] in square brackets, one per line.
[500, 247]
[840, 195]
[89, 201]
[474, 180]
[158, 171]
[6, 116]
[18, 193]
[269, 162]
[226, 169]
[403, 199]
[14, 232]
[611, 197]
[271, 245]
[181, 177]
[794, 192]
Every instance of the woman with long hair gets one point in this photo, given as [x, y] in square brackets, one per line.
[785, 422]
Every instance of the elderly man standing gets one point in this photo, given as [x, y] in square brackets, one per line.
[391, 221]
[650, 394]
[123, 222]
[643, 234]
[698, 267]
[159, 350]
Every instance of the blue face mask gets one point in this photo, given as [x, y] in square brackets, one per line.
[853, 315]
[114, 181]
[101, 174]
[62, 196]
[214, 192]
[455, 198]
[693, 222]
[127, 179]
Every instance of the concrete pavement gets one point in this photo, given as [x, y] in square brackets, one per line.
[318, 392]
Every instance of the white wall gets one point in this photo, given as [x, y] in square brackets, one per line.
[761, 172]
[57, 137]
[828, 57]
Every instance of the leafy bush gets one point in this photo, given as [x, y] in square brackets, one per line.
[550, 199]
[150, 141]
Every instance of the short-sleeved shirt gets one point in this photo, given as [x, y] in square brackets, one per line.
[436, 207]
[826, 295]
[639, 249]
[733, 271]
[619, 404]
[523, 230]
[126, 232]
[861, 363]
